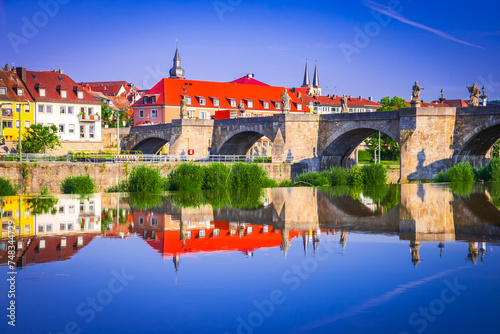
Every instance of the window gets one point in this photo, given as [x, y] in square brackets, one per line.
[49, 109]
[40, 228]
[145, 100]
[7, 124]
[63, 110]
[82, 110]
[61, 209]
[265, 228]
[250, 104]
[61, 128]
[82, 131]
[188, 234]
[27, 108]
[20, 92]
[141, 113]
[91, 111]
[41, 108]
[48, 229]
[204, 115]
[299, 106]
[266, 105]
[70, 227]
[153, 99]
[91, 206]
[203, 102]
[70, 110]
[42, 92]
[3, 91]
[71, 128]
[216, 102]
[141, 221]
[154, 221]
[27, 124]
[190, 113]
[233, 103]
[71, 209]
[216, 232]
[188, 100]
[154, 114]
[82, 206]
[278, 105]
[91, 131]
[27, 229]
[80, 95]
[64, 93]
[202, 234]
[27, 213]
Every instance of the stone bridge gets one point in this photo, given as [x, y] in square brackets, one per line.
[431, 139]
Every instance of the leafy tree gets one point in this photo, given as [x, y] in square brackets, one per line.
[108, 114]
[38, 138]
[391, 104]
[389, 149]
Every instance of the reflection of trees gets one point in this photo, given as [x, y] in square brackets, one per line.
[383, 196]
[246, 200]
[41, 204]
[462, 189]
[494, 190]
[144, 201]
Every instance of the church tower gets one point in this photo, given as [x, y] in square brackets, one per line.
[177, 72]
[307, 81]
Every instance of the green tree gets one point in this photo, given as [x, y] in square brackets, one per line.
[38, 138]
[389, 148]
[391, 104]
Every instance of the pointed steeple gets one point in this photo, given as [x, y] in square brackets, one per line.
[316, 78]
[307, 81]
[177, 72]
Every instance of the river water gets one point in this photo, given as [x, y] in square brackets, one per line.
[396, 259]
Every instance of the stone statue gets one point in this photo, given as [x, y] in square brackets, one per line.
[285, 102]
[415, 95]
[241, 107]
[343, 102]
[474, 95]
[183, 107]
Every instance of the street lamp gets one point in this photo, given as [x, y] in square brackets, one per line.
[118, 130]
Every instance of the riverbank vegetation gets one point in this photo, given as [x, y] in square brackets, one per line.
[338, 176]
[7, 188]
[80, 184]
[465, 173]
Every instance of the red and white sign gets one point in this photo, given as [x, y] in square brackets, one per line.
[190, 152]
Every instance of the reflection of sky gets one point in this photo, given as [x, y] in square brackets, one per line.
[371, 284]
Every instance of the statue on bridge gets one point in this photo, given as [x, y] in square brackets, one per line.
[415, 95]
[241, 108]
[474, 95]
[183, 108]
[343, 102]
[285, 102]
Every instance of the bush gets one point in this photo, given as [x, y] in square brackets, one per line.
[491, 172]
[365, 156]
[81, 184]
[216, 176]
[285, 184]
[245, 176]
[187, 177]
[355, 176]
[339, 176]
[143, 179]
[462, 172]
[6, 188]
[374, 174]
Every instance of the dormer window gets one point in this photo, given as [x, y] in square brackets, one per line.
[64, 93]
[153, 99]
[299, 106]
[203, 101]
[145, 100]
[216, 102]
[3, 91]
[42, 92]
[188, 100]
[250, 104]
[20, 92]
[233, 103]
[277, 105]
[80, 94]
[266, 105]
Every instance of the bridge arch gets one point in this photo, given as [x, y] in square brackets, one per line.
[477, 143]
[341, 145]
[150, 145]
[240, 142]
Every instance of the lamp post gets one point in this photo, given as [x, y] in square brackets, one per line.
[118, 130]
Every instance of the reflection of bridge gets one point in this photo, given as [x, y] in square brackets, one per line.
[431, 139]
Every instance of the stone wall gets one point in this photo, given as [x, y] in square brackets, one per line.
[66, 146]
[51, 174]
[108, 137]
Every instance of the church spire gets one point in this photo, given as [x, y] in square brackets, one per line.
[307, 81]
[316, 78]
[177, 72]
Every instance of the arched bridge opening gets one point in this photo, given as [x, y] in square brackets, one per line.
[241, 143]
[150, 145]
[477, 148]
[341, 149]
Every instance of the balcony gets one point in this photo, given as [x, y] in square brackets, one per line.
[89, 118]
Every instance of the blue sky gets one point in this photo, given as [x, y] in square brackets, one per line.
[441, 44]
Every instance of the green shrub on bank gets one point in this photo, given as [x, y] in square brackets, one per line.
[355, 176]
[314, 179]
[6, 188]
[491, 172]
[80, 184]
[339, 176]
[462, 172]
[216, 176]
[285, 184]
[374, 174]
[144, 179]
[244, 176]
[187, 176]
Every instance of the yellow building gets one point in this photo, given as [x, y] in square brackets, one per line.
[24, 221]
[17, 106]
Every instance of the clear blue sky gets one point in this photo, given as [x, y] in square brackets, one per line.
[441, 44]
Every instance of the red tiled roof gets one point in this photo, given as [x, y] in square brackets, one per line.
[171, 91]
[105, 83]
[53, 82]
[11, 81]
[335, 101]
[432, 104]
[247, 80]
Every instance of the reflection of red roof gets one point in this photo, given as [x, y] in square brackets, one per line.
[171, 91]
[168, 243]
[248, 80]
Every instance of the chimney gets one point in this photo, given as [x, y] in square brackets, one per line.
[360, 97]
[370, 98]
[61, 72]
[21, 72]
[250, 75]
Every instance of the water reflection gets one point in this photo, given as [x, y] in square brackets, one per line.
[55, 228]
